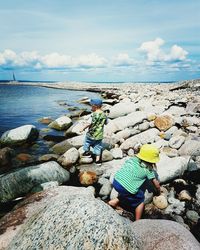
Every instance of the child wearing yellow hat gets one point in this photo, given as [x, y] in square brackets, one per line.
[129, 180]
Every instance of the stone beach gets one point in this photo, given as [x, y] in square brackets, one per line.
[75, 215]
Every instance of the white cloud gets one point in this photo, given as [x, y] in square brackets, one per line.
[9, 59]
[154, 52]
[123, 59]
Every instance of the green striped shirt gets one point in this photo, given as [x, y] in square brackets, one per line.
[133, 174]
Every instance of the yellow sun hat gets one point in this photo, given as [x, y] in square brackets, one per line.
[149, 153]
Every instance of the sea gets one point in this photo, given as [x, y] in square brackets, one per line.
[22, 105]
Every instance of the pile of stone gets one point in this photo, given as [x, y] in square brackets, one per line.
[167, 117]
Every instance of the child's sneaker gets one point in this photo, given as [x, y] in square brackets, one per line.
[86, 153]
[98, 163]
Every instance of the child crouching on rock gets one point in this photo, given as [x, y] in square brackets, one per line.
[94, 135]
[129, 180]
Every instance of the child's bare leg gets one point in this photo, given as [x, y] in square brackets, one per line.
[114, 202]
[138, 211]
[98, 158]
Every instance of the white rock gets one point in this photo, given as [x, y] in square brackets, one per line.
[190, 147]
[143, 138]
[117, 153]
[62, 123]
[176, 141]
[170, 168]
[19, 135]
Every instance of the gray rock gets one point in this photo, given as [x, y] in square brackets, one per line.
[190, 147]
[107, 156]
[176, 141]
[198, 195]
[80, 224]
[192, 216]
[119, 123]
[163, 234]
[76, 141]
[21, 181]
[61, 147]
[117, 153]
[143, 126]
[20, 135]
[142, 138]
[69, 158]
[121, 109]
[61, 123]
[170, 168]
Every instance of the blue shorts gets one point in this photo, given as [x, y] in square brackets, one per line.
[127, 200]
[95, 144]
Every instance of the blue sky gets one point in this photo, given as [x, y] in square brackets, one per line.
[101, 40]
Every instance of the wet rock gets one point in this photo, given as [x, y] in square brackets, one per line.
[45, 120]
[19, 136]
[49, 157]
[54, 138]
[61, 123]
[164, 122]
[21, 181]
[61, 148]
[23, 157]
[6, 155]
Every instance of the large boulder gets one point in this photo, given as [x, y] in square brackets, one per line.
[21, 181]
[121, 109]
[76, 141]
[20, 135]
[61, 123]
[190, 147]
[121, 123]
[147, 136]
[164, 234]
[81, 224]
[170, 168]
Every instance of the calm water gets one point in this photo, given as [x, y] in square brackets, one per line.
[21, 105]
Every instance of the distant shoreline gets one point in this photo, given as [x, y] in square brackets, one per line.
[101, 87]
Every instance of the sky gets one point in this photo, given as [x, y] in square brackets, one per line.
[100, 40]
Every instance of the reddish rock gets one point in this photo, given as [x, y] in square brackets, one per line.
[87, 178]
[163, 122]
[23, 157]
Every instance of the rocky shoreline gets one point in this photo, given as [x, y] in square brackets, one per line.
[164, 114]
